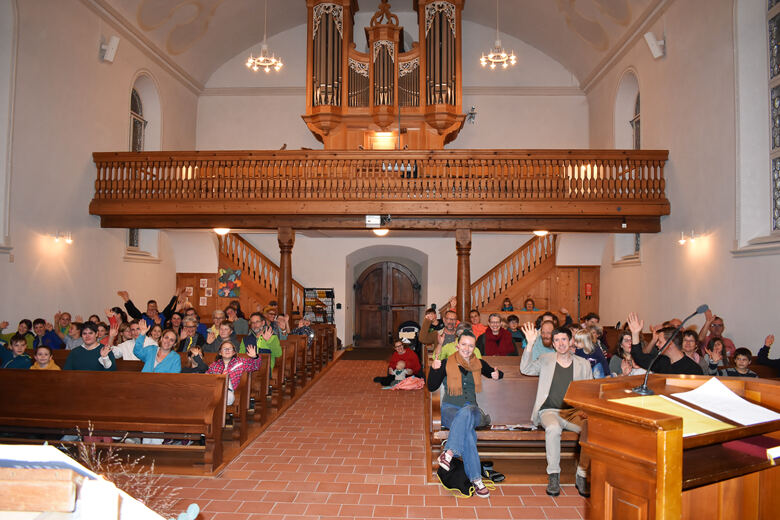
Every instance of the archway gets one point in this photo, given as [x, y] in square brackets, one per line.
[386, 295]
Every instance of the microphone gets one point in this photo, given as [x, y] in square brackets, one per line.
[643, 388]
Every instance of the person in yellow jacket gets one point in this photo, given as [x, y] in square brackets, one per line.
[43, 360]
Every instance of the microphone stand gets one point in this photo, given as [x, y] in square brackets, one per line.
[643, 389]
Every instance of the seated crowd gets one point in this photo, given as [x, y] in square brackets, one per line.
[154, 337]
[559, 353]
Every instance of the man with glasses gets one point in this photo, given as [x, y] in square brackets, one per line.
[190, 335]
[262, 337]
[713, 328]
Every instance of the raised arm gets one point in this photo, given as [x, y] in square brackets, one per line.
[130, 307]
[763, 354]
[529, 366]
[709, 317]
[171, 307]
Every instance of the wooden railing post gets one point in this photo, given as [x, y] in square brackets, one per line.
[286, 238]
[463, 295]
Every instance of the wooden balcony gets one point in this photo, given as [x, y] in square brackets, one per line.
[484, 190]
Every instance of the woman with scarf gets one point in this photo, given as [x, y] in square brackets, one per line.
[461, 374]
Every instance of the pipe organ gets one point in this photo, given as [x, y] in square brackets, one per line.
[366, 100]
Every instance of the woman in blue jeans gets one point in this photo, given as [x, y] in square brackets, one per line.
[461, 374]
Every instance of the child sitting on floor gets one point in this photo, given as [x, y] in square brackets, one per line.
[399, 374]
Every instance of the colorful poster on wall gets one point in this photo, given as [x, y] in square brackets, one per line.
[229, 283]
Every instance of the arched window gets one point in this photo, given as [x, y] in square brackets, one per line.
[137, 122]
[627, 136]
[145, 135]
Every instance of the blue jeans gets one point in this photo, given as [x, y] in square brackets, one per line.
[462, 440]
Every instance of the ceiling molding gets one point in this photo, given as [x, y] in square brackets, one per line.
[254, 91]
[127, 30]
[468, 91]
[626, 42]
[522, 91]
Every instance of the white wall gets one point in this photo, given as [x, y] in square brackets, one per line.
[688, 107]
[241, 109]
[330, 262]
[69, 104]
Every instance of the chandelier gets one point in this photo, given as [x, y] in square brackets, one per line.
[264, 60]
[497, 54]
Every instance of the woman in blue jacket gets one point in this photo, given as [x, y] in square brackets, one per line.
[159, 359]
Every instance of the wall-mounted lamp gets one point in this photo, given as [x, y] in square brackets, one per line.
[690, 240]
[541, 233]
[380, 232]
[221, 231]
[64, 236]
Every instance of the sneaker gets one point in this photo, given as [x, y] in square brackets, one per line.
[480, 489]
[583, 486]
[553, 484]
[444, 461]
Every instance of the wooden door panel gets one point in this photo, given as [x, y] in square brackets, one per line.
[386, 295]
[566, 291]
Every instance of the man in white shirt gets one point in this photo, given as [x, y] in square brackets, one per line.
[125, 349]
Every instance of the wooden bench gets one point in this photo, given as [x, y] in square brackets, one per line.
[507, 401]
[116, 404]
[59, 356]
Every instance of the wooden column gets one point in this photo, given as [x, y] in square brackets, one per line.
[286, 238]
[463, 246]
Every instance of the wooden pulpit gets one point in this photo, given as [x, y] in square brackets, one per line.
[642, 467]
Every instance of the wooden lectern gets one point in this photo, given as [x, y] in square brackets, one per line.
[643, 468]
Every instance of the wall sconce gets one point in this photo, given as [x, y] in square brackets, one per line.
[64, 236]
[690, 240]
[541, 233]
[378, 224]
[221, 231]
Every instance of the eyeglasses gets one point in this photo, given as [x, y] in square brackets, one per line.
[717, 325]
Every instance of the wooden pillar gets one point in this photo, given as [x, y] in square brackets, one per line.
[286, 238]
[463, 246]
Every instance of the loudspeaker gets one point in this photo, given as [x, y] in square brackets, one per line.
[108, 50]
[656, 46]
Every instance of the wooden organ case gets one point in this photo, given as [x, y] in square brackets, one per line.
[358, 100]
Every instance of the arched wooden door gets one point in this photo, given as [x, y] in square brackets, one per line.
[386, 295]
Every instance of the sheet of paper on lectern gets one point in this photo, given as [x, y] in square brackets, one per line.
[694, 422]
[717, 398]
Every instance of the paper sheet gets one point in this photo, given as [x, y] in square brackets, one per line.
[694, 422]
[717, 398]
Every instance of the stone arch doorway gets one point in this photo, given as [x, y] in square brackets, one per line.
[386, 295]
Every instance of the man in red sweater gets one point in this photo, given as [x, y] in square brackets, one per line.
[497, 341]
[406, 355]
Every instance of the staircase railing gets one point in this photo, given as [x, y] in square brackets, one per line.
[512, 269]
[256, 265]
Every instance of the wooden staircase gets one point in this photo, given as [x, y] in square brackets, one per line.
[518, 276]
[259, 275]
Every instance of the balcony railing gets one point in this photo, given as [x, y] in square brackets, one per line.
[448, 181]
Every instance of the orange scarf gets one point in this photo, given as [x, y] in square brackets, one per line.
[454, 382]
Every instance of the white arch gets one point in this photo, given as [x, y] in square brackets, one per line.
[625, 101]
[146, 85]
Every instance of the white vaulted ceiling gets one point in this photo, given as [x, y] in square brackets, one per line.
[197, 36]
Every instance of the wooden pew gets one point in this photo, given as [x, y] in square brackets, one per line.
[507, 401]
[59, 356]
[177, 406]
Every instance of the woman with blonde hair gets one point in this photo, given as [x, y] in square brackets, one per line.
[583, 341]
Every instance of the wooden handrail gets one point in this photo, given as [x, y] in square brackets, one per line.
[512, 269]
[257, 266]
[412, 176]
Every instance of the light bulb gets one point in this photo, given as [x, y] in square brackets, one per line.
[380, 232]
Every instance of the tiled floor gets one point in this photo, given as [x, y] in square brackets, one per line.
[348, 449]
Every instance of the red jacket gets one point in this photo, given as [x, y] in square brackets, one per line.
[409, 357]
[500, 345]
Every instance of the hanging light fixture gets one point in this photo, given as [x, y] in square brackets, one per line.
[264, 60]
[497, 54]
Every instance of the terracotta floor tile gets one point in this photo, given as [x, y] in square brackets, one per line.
[338, 453]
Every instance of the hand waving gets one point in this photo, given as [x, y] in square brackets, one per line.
[768, 341]
[251, 351]
[530, 332]
[143, 327]
[635, 325]
[104, 351]
[436, 365]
